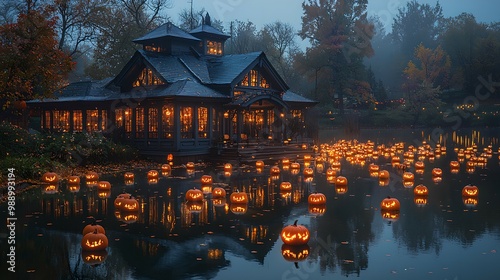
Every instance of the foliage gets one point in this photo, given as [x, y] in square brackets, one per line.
[243, 38]
[31, 64]
[431, 67]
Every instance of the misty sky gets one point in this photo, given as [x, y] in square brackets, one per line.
[261, 12]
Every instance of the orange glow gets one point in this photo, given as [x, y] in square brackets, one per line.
[295, 234]
[420, 190]
[316, 198]
[470, 191]
[390, 203]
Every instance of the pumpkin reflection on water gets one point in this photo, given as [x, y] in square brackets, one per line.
[94, 258]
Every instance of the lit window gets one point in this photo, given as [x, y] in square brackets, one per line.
[104, 122]
[47, 120]
[202, 122]
[139, 123]
[119, 117]
[92, 120]
[168, 121]
[263, 82]
[214, 48]
[244, 82]
[152, 48]
[61, 121]
[147, 78]
[253, 78]
[153, 122]
[77, 121]
[127, 115]
[186, 115]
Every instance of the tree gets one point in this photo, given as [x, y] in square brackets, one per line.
[340, 35]
[189, 21]
[243, 38]
[31, 64]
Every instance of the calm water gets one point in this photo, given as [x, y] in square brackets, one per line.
[445, 239]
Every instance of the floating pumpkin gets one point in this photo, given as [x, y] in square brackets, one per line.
[454, 165]
[330, 172]
[190, 166]
[408, 176]
[166, 169]
[320, 167]
[127, 216]
[74, 188]
[206, 189]
[295, 253]
[130, 204]
[152, 181]
[50, 177]
[92, 176]
[470, 191]
[228, 167]
[94, 241]
[286, 186]
[73, 180]
[316, 198]
[383, 174]
[104, 185]
[170, 157]
[194, 195]
[307, 158]
[437, 172]
[153, 174]
[383, 182]
[317, 210]
[420, 190]
[119, 199]
[419, 165]
[336, 165]
[275, 170]
[238, 197]
[390, 203]
[218, 192]
[94, 258]
[206, 180]
[295, 165]
[285, 162]
[341, 181]
[194, 206]
[259, 164]
[295, 234]
[437, 179]
[373, 168]
[239, 208]
[308, 172]
[128, 178]
[50, 189]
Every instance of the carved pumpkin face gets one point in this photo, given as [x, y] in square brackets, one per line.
[166, 168]
[219, 202]
[470, 191]
[331, 172]
[383, 182]
[408, 176]
[92, 176]
[470, 201]
[74, 188]
[94, 258]
[317, 210]
[50, 177]
[218, 192]
[421, 190]
[206, 189]
[194, 206]
[128, 176]
[308, 172]
[94, 241]
[190, 166]
[228, 167]
[152, 181]
[341, 189]
[119, 199]
[336, 165]
[275, 171]
[285, 162]
[295, 166]
[295, 253]
[383, 174]
[390, 215]
[320, 167]
[341, 181]
[307, 158]
[130, 204]
[419, 165]
[194, 195]
[420, 200]
[206, 180]
[454, 165]
[103, 194]
[373, 168]
[437, 172]
[295, 234]
[408, 184]
[153, 174]
[259, 164]
[316, 198]
[239, 208]
[104, 185]
[127, 217]
[237, 197]
[286, 186]
[390, 203]
[73, 180]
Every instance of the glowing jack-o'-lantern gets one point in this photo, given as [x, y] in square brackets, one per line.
[194, 206]
[153, 174]
[128, 217]
[206, 180]
[50, 177]
[92, 176]
[119, 199]
[94, 241]
[218, 192]
[94, 258]
[228, 167]
[219, 202]
[285, 162]
[341, 181]
[239, 208]
[419, 165]
[320, 167]
[341, 189]
[336, 165]
[170, 157]
[295, 234]
[295, 165]
[383, 175]
[259, 164]
[308, 172]
[454, 165]
[437, 172]
[194, 195]
[395, 161]
[74, 188]
[408, 184]
[103, 194]
[373, 168]
[420, 190]
[286, 186]
[316, 199]
[390, 203]
[238, 197]
[104, 185]
[190, 166]
[470, 191]
[129, 204]
[390, 215]
[383, 182]
[408, 176]
[73, 180]
[275, 171]
[93, 227]
[295, 254]
[317, 209]
[128, 178]
[307, 158]
[437, 179]
[50, 189]
[206, 189]
[166, 169]
[330, 172]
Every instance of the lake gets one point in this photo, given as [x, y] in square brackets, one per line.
[443, 235]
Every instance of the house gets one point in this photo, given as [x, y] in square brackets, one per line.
[180, 94]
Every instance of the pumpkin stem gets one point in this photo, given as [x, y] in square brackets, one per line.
[295, 223]
[95, 231]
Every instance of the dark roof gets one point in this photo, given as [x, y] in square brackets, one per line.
[208, 29]
[169, 67]
[225, 69]
[197, 67]
[80, 91]
[165, 31]
[290, 97]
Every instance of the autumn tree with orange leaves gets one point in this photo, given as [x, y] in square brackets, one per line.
[31, 64]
